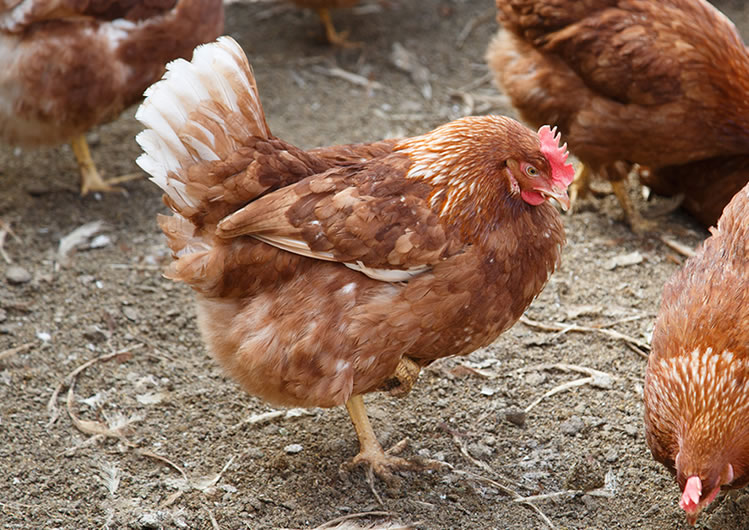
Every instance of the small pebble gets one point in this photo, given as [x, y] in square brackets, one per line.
[515, 416]
[572, 426]
[94, 334]
[479, 450]
[535, 379]
[3, 315]
[130, 313]
[611, 456]
[16, 275]
[293, 449]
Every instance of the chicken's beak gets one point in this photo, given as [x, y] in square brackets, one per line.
[559, 194]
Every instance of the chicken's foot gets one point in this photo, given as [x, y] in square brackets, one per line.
[370, 451]
[90, 178]
[334, 38]
[637, 223]
[403, 379]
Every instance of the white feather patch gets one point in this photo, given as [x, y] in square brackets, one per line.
[218, 73]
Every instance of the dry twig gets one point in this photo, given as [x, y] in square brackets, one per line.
[5, 230]
[681, 248]
[69, 379]
[595, 378]
[13, 351]
[565, 328]
[503, 488]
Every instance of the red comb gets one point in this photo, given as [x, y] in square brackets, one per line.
[561, 172]
[690, 499]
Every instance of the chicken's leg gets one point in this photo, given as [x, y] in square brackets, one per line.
[334, 38]
[370, 450]
[580, 186]
[90, 178]
[637, 223]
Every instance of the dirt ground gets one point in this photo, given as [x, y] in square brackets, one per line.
[193, 451]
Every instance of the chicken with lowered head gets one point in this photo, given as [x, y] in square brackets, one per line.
[697, 381]
[326, 274]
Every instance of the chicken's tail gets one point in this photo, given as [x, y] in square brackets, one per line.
[197, 118]
[204, 123]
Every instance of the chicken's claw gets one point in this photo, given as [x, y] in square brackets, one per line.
[384, 463]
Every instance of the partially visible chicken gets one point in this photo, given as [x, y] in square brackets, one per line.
[628, 81]
[323, 275]
[68, 66]
[706, 185]
[323, 7]
[697, 381]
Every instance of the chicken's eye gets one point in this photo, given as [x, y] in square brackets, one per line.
[531, 171]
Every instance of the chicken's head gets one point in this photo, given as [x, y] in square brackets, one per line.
[537, 181]
[700, 489]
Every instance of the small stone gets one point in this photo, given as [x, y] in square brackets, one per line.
[94, 334]
[130, 313]
[479, 450]
[487, 391]
[423, 453]
[293, 449]
[611, 456]
[572, 426]
[631, 430]
[535, 379]
[3, 315]
[254, 452]
[16, 275]
[586, 475]
[515, 416]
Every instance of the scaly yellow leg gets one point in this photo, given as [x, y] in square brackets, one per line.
[637, 223]
[90, 178]
[334, 38]
[370, 450]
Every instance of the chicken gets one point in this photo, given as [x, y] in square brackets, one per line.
[706, 185]
[327, 274]
[322, 7]
[68, 65]
[628, 81]
[696, 393]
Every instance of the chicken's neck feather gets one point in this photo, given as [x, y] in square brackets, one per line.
[465, 164]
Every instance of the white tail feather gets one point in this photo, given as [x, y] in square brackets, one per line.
[215, 86]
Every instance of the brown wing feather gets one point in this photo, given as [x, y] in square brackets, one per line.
[368, 214]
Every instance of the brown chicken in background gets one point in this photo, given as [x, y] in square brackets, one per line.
[697, 381]
[323, 7]
[68, 65]
[323, 275]
[706, 185]
[662, 84]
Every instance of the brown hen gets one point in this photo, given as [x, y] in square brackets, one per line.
[630, 81]
[70, 65]
[696, 386]
[322, 275]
